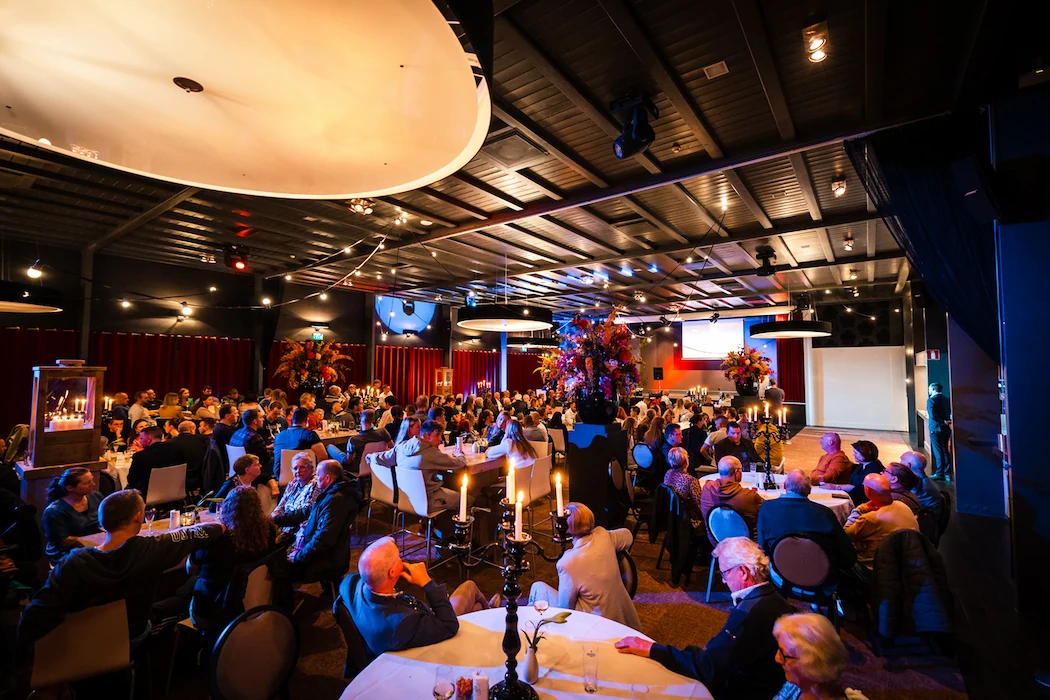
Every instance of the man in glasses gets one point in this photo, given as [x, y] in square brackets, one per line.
[740, 661]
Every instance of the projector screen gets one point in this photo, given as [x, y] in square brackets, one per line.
[703, 340]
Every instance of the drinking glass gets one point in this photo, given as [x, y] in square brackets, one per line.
[150, 515]
[444, 683]
[187, 518]
[590, 668]
[639, 691]
[540, 606]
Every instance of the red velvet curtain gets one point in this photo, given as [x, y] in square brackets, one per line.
[521, 370]
[24, 349]
[791, 369]
[409, 371]
[137, 361]
[357, 373]
[472, 366]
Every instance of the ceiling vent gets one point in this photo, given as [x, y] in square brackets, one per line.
[514, 152]
[716, 70]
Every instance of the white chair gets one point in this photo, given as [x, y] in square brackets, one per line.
[558, 438]
[166, 485]
[723, 522]
[542, 448]
[779, 469]
[266, 498]
[384, 491]
[535, 481]
[59, 656]
[232, 453]
[371, 448]
[413, 500]
[286, 475]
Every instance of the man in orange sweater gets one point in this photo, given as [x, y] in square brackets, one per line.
[834, 466]
[726, 492]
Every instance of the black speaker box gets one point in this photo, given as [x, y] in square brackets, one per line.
[658, 374]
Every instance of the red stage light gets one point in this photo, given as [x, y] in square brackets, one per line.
[239, 264]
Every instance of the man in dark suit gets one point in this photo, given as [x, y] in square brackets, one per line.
[735, 445]
[794, 513]
[155, 454]
[939, 414]
[390, 620]
[739, 661]
[693, 439]
[192, 447]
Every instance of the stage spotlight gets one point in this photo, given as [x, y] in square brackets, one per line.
[714, 317]
[768, 257]
[637, 135]
[409, 307]
[235, 257]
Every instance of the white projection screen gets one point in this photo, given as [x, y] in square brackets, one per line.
[703, 340]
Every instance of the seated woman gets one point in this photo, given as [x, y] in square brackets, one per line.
[813, 657]
[687, 487]
[902, 482]
[136, 428]
[170, 408]
[867, 456]
[519, 452]
[301, 491]
[72, 512]
[249, 536]
[589, 573]
[246, 469]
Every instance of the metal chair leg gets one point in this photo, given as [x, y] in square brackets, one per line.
[710, 579]
[171, 667]
[430, 525]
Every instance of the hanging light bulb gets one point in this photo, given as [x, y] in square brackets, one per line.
[266, 302]
[288, 278]
[186, 309]
[125, 303]
[324, 296]
[35, 272]
[213, 289]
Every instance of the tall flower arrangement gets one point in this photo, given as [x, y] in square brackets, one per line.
[595, 358]
[548, 368]
[744, 364]
[312, 362]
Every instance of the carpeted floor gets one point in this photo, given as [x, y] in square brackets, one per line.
[670, 615]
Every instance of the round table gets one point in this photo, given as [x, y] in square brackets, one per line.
[477, 647]
[838, 501]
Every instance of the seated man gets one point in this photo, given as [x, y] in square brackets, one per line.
[254, 443]
[739, 661]
[424, 454]
[833, 466]
[873, 521]
[713, 438]
[114, 433]
[124, 567]
[155, 454]
[902, 482]
[351, 459]
[726, 491]
[693, 439]
[299, 437]
[192, 447]
[208, 408]
[534, 429]
[925, 489]
[589, 573]
[390, 620]
[321, 551]
[794, 514]
[736, 445]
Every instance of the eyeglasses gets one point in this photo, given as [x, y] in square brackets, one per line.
[723, 574]
[785, 656]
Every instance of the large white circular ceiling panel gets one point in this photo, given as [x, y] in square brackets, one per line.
[314, 99]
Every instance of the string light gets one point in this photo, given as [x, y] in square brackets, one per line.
[266, 301]
[323, 296]
[125, 303]
[186, 310]
[359, 205]
[213, 289]
[35, 272]
[288, 278]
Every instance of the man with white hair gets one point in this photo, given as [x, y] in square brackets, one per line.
[794, 514]
[928, 493]
[726, 492]
[739, 662]
[390, 620]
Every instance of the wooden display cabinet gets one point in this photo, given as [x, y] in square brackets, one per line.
[443, 381]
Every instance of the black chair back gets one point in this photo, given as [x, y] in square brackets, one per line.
[946, 514]
[255, 655]
[358, 655]
[801, 563]
[628, 573]
[681, 544]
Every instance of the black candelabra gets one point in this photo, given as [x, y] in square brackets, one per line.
[770, 435]
[514, 565]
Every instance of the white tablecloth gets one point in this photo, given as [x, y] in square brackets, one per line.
[841, 507]
[478, 647]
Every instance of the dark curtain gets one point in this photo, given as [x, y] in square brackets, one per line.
[24, 349]
[908, 173]
[521, 370]
[791, 369]
[410, 372]
[472, 366]
[137, 361]
[357, 372]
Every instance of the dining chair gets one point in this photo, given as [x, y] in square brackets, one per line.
[723, 522]
[558, 440]
[542, 448]
[255, 656]
[166, 485]
[358, 655]
[59, 657]
[364, 470]
[232, 453]
[414, 501]
[800, 568]
[285, 477]
[385, 492]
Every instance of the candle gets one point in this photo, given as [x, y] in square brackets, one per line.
[510, 482]
[767, 409]
[463, 500]
[785, 414]
[517, 515]
[557, 489]
[780, 416]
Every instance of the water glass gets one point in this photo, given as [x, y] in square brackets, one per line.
[540, 605]
[639, 691]
[151, 513]
[187, 518]
[444, 683]
[590, 668]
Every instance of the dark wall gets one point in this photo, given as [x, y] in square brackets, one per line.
[856, 329]
[61, 271]
[344, 312]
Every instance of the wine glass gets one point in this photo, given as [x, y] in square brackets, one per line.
[444, 684]
[540, 606]
[150, 515]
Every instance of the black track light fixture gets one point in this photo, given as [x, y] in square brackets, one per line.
[637, 135]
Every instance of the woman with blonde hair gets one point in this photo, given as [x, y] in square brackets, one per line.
[518, 451]
[171, 408]
[813, 657]
[654, 436]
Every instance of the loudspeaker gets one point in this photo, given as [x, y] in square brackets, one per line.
[658, 374]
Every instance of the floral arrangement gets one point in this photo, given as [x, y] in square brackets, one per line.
[746, 364]
[594, 357]
[534, 640]
[548, 368]
[311, 362]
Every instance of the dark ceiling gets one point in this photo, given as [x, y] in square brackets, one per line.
[546, 200]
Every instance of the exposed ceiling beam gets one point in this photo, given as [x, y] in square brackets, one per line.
[875, 30]
[902, 276]
[479, 214]
[520, 247]
[416, 211]
[798, 166]
[784, 229]
[485, 188]
[753, 27]
[143, 218]
[825, 244]
[593, 240]
[549, 241]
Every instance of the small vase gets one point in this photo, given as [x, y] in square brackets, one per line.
[532, 666]
[747, 387]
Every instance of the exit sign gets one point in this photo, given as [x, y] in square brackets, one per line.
[318, 335]
[933, 355]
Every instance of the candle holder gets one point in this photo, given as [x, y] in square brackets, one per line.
[462, 535]
[561, 528]
[769, 438]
